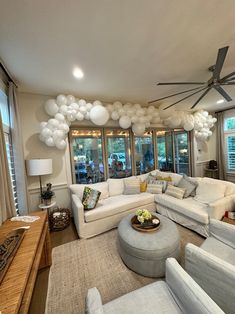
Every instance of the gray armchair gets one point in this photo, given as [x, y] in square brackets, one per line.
[212, 265]
[178, 294]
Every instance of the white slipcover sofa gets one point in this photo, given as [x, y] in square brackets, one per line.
[178, 294]
[114, 205]
[213, 264]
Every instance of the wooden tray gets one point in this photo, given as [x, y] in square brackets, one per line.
[137, 225]
[8, 248]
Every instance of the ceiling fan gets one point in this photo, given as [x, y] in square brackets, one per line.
[214, 82]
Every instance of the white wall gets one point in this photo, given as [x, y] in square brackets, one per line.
[32, 113]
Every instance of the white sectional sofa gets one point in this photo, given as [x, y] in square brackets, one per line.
[113, 205]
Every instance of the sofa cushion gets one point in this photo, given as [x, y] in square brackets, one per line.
[230, 187]
[115, 186]
[187, 206]
[101, 186]
[116, 204]
[207, 193]
[175, 192]
[219, 249]
[131, 186]
[188, 184]
[143, 177]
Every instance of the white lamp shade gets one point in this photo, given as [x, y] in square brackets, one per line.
[39, 167]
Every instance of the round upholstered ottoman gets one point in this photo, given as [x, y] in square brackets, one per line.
[146, 253]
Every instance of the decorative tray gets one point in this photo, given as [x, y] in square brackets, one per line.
[147, 227]
[8, 247]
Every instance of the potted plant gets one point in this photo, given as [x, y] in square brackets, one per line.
[47, 195]
[144, 217]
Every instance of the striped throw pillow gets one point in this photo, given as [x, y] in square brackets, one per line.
[175, 192]
[154, 188]
[131, 186]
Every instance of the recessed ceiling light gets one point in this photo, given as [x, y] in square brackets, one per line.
[77, 72]
[220, 101]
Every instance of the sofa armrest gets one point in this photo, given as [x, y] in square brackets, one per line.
[78, 212]
[188, 294]
[223, 232]
[217, 209]
[93, 302]
[214, 275]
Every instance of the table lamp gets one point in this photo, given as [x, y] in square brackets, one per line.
[39, 167]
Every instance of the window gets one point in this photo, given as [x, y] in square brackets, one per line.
[87, 152]
[144, 155]
[181, 152]
[118, 153]
[229, 132]
[4, 108]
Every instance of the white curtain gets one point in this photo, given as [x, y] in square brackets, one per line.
[7, 204]
[220, 149]
[16, 133]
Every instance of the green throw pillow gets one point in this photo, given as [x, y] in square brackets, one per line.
[90, 198]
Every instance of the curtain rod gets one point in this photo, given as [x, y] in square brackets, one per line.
[7, 73]
[225, 109]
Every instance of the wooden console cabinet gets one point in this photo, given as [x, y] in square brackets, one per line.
[34, 253]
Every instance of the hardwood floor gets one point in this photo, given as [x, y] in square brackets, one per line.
[38, 301]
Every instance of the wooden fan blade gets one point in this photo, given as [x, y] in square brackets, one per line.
[182, 83]
[222, 52]
[186, 91]
[227, 76]
[228, 83]
[200, 98]
[222, 92]
[185, 98]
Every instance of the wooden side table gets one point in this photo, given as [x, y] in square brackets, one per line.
[229, 220]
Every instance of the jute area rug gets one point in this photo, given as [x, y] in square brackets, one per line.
[83, 264]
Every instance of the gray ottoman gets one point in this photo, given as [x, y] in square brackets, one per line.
[146, 253]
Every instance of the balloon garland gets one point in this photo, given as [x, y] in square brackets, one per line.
[65, 109]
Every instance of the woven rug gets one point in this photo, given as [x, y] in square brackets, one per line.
[83, 264]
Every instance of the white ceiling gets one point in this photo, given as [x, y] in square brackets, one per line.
[124, 47]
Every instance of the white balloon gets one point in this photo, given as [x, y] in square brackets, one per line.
[50, 142]
[58, 134]
[127, 106]
[79, 116]
[214, 120]
[134, 119]
[71, 117]
[117, 105]
[115, 115]
[209, 133]
[43, 125]
[82, 102]
[59, 117]
[70, 99]
[155, 113]
[87, 116]
[138, 129]
[175, 121]
[41, 138]
[61, 144]
[61, 100]
[140, 112]
[137, 106]
[99, 115]
[142, 120]
[125, 122]
[64, 127]
[46, 132]
[150, 109]
[55, 123]
[88, 106]
[205, 114]
[156, 120]
[121, 112]
[110, 108]
[97, 103]
[165, 113]
[83, 110]
[74, 106]
[63, 109]
[130, 112]
[188, 126]
[51, 107]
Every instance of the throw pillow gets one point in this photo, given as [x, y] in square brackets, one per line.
[131, 186]
[143, 187]
[90, 198]
[207, 193]
[151, 178]
[168, 179]
[154, 188]
[187, 184]
[175, 192]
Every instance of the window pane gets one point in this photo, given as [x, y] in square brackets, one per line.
[231, 152]
[144, 159]
[165, 151]
[181, 152]
[4, 109]
[88, 157]
[119, 153]
[229, 124]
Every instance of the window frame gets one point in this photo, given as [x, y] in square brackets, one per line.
[228, 133]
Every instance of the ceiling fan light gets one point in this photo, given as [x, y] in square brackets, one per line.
[220, 101]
